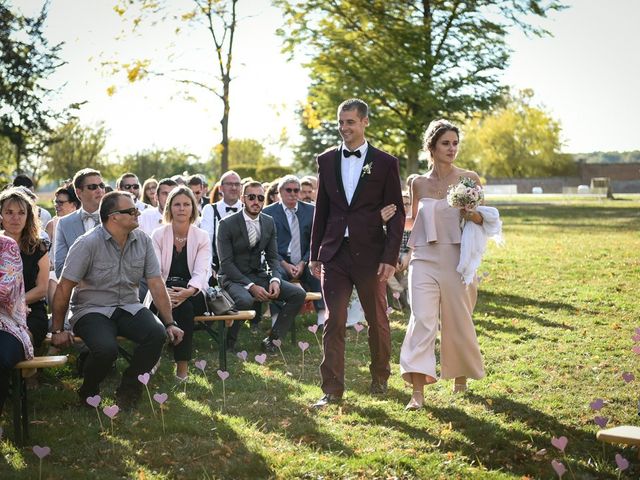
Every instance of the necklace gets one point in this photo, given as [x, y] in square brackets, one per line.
[180, 239]
[441, 183]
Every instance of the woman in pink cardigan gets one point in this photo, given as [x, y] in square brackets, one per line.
[184, 252]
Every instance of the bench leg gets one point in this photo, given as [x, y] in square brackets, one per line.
[19, 400]
[293, 331]
[222, 345]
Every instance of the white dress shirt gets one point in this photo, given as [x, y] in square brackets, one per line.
[149, 220]
[209, 220]
[351, 169]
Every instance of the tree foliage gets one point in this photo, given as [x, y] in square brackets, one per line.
[219, 19]
[76, 147]
[411, 60]
[26, 61]
[243, 152]
[159, 164]
[517, 140]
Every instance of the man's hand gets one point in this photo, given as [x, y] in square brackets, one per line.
[175, 334]
[316, 268]
[274, 289]
[259, 293]
[385, 271]
[289, 268]
[62, 339]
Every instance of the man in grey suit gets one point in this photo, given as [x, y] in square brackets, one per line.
[293, 219]
[241, 239]
[89, 189]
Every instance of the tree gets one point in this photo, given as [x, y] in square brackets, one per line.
[76, 147]
[243, 151]
[516, 140]
[158, 164]
[219, 19]
[26, 60]
[317, 136]
[411, 60]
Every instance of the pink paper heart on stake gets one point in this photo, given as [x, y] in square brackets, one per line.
[313, 329]
[396, 295]
[636, 337]
[261, 358]
[242, 355]
[559, 468]
[201, 364]
[636, 349]
[160, 397]
[111, 411]
[628, 377]
[94, 401]
[601, 421]
[621, 462]
[389, 310]
[41, 452]
[303, 345]
[223, 375]
[358, 327]
[144, 378]
[560, 443]
[597, 404]
[277, 342]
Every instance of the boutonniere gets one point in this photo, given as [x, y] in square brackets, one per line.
[366, 169]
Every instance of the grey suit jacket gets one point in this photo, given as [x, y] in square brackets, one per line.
[238, 261]
[69, 228]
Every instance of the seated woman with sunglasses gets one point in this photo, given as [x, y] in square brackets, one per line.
[184, 253]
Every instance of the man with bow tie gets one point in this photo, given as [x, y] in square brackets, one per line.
[89, 188]
[241, 239]
[349, 246]
[230, 188]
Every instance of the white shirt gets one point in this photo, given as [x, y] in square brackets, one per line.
[149, 220]
[351, 169]
[209, 220]
[88, 223]
[141, 206]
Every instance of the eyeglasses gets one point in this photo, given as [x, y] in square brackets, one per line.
[292, 190]
[61, 202]
[135, 186]
[94, 186]
[253, 196]
[133, 211]
[232, 184]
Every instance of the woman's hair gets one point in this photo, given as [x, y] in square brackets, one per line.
[271, 192]
[214, 195]
[434, 131]
[145, 186]
[30, 235]
[69, 191]
[167, 216]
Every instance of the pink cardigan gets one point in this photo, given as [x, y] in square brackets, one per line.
[198, 254]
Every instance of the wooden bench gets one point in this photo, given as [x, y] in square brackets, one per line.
[224, 321]
[625, 434]
[78, 341]
[19, 391]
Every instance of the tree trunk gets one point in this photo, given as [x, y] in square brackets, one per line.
[413, 149]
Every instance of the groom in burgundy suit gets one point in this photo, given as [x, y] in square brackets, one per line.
[349, 246]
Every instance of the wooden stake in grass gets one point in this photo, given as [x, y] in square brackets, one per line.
[111, 412]
[303, 346]
[94, 402]
[314, 329]
[41, 452]
[161, 398]
[223, 376]
[144, 379]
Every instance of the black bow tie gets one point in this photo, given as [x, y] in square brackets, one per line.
[232, 209]
[347, 153]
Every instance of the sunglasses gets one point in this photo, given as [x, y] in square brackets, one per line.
[134, 186]
[61, 202]
[94, 186]
[253, 196]
[131, 211]
[292, 190]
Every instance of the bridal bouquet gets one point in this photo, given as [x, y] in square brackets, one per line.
[465, 194]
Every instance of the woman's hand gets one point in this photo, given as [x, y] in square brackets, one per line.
[178, 295]
[471, 215]
[387, 212]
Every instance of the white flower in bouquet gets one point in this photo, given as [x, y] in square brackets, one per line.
[465, 194]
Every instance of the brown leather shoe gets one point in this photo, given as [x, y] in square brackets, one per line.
[328, 398]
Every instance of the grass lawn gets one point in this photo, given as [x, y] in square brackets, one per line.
[556, 312]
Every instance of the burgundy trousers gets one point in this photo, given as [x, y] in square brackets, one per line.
[339, 276]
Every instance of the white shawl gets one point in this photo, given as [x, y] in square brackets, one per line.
[474, 241]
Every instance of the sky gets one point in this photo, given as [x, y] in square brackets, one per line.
[586, 75]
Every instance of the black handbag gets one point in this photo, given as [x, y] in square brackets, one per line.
[219, 302]
[177, 282]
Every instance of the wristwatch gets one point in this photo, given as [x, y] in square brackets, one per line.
[170, 324]
[60, 330]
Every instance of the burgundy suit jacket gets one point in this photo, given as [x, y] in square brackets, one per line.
[368, 242]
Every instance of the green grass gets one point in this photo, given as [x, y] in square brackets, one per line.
[555, 317]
